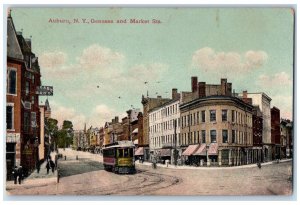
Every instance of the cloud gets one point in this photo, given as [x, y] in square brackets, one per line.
[208, 59]
[51, 60]
[278, 79]
[61, 113]
[285, 104]
[96, 56]
[147, 72]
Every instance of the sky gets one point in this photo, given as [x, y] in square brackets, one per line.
[99, 71]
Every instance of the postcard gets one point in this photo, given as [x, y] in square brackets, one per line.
[151, 101]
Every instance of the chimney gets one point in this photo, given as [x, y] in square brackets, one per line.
[158, 97]
[229, 89]
[113, 121]
[223, 86]
[174, 93]
[28, 41]
[201, 89]
[245, 94]
[194, 83]
[116, 119]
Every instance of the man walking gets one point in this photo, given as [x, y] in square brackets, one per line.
[15, 174]
[20, 174]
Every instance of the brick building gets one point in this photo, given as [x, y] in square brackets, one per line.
[275, 133]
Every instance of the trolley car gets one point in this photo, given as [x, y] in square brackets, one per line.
[118, 157]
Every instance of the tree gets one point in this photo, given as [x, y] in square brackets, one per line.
[51, 130]
[65, 135]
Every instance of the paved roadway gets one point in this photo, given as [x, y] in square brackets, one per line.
[86, 176]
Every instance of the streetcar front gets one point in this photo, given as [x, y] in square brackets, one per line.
[125, 162]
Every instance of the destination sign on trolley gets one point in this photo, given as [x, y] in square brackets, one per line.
[45, 90]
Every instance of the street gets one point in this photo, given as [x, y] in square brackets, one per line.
[86, 176]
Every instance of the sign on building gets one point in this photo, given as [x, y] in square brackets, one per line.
[45, 90]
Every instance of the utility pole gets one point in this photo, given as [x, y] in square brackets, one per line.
[175, 141]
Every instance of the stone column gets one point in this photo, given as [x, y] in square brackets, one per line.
[220, 157]
[229, 157]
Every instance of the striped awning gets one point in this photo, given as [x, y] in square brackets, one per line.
[213, 149]
[190, 150]
[139, 151]
[135, 131]
[201, 151]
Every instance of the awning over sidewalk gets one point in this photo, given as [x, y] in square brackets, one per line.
[213, 149]
[201, 151]
[135, 131]
[165, 153]
[139, 151]
[190, 150]
[136, 141]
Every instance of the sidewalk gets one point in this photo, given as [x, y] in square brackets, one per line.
[204, 167]
[36, 179]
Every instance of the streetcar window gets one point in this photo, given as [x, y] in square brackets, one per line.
[120, 153]
[126, 153]
[131, 152]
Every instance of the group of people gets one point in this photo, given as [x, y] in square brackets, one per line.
[50, 165]
[18, 174]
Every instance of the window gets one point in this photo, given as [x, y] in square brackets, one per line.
[12, 82]
[27, 88]
[224, 115]
[26, 121]
[32, 79]
[9, 117]
[197, 117]
[203, 116]
[213, 136]
[203, 136]
[212, 115]
[225, 136]
[32, 99]
[232, 116]
[233, 136]
[198, 137]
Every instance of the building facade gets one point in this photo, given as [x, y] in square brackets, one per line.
[275, 133]
[216, 130]
[263, 101]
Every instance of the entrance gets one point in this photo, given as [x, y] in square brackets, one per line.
[10, 159]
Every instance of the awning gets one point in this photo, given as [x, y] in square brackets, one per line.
[201, 151]
[213, 149]
[139, 151]
[136, 141]
[135, 131]
[165, 153]
[190, 150]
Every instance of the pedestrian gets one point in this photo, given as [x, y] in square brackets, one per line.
[259, 165]
[20, 174]
[52, 165]
[48, 166]
[15, 174]
[38, 166]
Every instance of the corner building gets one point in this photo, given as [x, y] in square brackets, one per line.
[221, 126]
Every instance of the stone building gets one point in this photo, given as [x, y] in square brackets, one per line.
[215, 127]
[164, 130]
[148, 104]
[263, 101]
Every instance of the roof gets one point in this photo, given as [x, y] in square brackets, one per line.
[201, 151]
[163, 105]
[13, 46]
[213, 149]
[190, 150]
